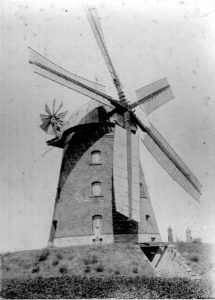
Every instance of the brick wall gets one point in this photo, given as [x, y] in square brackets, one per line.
[75, 205]
[147, 226]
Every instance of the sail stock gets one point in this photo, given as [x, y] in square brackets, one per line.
[93, 19]
[95, 24]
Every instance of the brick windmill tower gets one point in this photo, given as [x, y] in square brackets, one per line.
[102, 195]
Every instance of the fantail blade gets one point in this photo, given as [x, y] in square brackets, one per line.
[59, 108]
[45, 125]
[47, 110]
[44, 117]
[54, 106]
[61, 115]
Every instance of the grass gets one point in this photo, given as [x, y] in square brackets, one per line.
[59, 256]
[92, 261]
[115, 259]
[194, 257]
[99, 268]
[87, 269]
[199, 256]
[44, 254]
[35, 269]
[110, 271]
[105, 260]
[63, 269]
[55, 262]
[135, 269]
[127, 287]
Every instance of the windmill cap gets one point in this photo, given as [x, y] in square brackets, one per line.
[90, 113]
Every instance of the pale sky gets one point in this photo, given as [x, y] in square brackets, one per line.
[147, 40]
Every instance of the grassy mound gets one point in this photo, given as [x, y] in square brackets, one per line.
[105, 287]
[199, 256]
[107, 260]
[109, 271]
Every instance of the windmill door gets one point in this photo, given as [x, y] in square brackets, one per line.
[97, 226]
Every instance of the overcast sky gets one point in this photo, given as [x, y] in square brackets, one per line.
[147, 40]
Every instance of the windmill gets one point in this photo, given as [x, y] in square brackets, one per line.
[102, 195]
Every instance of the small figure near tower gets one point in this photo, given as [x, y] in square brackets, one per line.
[188, 235]
[170, 234]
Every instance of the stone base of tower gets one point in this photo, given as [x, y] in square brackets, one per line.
[104, 239]
[149, 238]
[83, 240]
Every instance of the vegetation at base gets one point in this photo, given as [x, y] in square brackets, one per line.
[63, 269]
[199, 256]
[105, 287]
[44, 254]
[197, 241]
[194, 257]
[108, 271]
[106, 260]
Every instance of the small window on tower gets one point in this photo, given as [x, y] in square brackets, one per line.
[55, 224]
[142, 192]
[148, 218]
[96, 157]
[96, 189]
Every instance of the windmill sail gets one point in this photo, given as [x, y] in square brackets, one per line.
[93, 18]
[135, 178]
[35, 57]
[154, 95]
[120, 171]
[48, 69]
[120, 174]
[171, 162]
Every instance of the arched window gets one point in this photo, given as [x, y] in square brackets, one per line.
[96, 157]
[142, 193]
[97, 225]
[96, 188]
